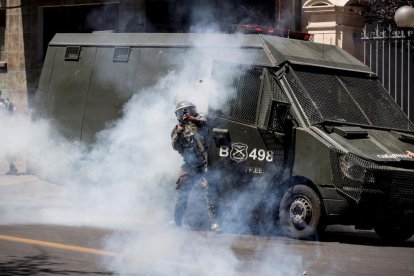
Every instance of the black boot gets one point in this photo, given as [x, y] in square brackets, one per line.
[215, 227]
[213, 214]
[12, 170]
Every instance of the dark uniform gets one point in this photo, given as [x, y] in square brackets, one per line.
[6, 110]
[189, 139]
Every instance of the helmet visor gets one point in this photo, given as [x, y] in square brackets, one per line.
[190, 110]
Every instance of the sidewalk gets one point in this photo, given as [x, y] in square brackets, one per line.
[19, 179]
[28, 189]
[26, 199]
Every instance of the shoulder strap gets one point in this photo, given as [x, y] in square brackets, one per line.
[198, 137]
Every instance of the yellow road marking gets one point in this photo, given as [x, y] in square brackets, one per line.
[82, 249]
[59, 245]
[96, 251]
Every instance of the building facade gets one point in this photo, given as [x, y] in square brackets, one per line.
[335, 22]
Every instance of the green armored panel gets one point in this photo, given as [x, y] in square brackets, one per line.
[310, 53]
[312, 157]
[68, 89]
[110, 87]
[155, 63]
[170, 60]
[44, 82]
[145, 73]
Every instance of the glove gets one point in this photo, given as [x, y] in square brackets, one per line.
[179, 128]
[189, 118]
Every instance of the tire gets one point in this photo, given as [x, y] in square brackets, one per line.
[300, 213]
[394, 230]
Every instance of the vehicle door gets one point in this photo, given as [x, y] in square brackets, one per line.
[249, 126]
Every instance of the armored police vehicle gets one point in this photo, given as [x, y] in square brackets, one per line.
[308, 128]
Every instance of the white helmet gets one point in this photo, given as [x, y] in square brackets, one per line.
[184, 107]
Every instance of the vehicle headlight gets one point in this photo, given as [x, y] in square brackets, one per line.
[353, 170]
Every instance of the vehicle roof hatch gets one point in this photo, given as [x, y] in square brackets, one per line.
[311, 53]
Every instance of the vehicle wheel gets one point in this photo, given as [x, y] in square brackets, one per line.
[300, 212]
[394, 230]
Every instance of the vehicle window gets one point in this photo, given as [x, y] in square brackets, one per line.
[331, 98]
[345, 97]
[376, 103]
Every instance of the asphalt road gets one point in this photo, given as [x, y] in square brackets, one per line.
[63, 250]
[41, 235]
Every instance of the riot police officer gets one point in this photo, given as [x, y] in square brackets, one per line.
[6, 110]
[6, 106]
[189, 139]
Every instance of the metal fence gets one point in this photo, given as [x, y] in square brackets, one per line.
[389, 53]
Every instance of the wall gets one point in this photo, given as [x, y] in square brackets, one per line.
[12, 69]
[337, 23]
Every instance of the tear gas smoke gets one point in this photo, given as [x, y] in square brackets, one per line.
[128, 179]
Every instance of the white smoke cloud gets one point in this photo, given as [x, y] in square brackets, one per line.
[158, 251]
[46, 150]
[128, 179]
